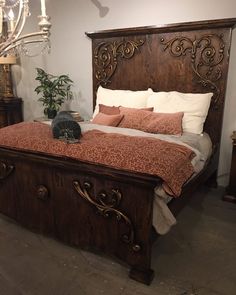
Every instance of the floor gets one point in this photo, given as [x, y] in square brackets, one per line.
[198, 257]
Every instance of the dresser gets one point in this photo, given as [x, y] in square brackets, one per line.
[231, 189]
[10, 111]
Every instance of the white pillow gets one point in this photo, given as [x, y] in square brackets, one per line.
[194, 105]
[124, 98]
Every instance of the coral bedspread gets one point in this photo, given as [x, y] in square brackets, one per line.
[169, 161]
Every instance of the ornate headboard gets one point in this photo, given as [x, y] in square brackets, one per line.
[186, 57]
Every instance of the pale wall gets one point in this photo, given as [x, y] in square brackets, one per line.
[71, 49]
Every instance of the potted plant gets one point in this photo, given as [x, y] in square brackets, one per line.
[54, 90]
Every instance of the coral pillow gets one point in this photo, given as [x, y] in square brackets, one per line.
[164, 123]
[108, 110]
[124, 109]
[108, 120]
[132, 117]
[152, 122]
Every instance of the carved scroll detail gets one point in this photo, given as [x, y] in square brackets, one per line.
[5, 170]
[106, 57]
[107, 206]
[207, 52]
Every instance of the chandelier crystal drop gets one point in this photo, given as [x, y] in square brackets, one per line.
[13, 16]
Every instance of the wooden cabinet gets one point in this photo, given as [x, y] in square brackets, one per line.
[10, 111]
[231, 190]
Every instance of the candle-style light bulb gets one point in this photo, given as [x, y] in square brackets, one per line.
[11, 18]
[1, 19]
[43, 8]
[11, 15]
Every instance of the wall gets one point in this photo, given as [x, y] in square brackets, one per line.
[71, 49]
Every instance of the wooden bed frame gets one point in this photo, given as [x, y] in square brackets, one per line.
[101, 208]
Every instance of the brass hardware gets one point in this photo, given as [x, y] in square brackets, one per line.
[106, 57]
[205, 65]
[5, 170]
[136, 248]
[42, 193]
[106, 205]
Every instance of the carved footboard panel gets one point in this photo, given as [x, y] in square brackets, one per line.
[85, 205]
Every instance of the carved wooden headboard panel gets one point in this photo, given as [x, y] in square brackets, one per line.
[186, 57]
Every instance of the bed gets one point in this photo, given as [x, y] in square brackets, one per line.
[97, 206]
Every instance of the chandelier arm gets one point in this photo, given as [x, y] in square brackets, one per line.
[34, 41]
[19, 23]
[26, 42]
[12, 40]
[20, 19]
[14, 44]
[40, 33]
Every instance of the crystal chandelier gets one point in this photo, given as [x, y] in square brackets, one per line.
[13, 15]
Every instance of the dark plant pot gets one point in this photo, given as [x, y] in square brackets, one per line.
[51, 114]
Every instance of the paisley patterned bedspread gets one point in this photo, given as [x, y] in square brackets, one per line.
[169, 161]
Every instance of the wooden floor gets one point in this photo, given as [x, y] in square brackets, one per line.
[197, 257]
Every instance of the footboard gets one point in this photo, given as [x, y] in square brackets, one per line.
[90, 206]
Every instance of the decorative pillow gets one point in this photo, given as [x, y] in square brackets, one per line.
[133, 117]
[108, 120]
[108, 110]
[194, 105]
[126, 98]
[148, 121]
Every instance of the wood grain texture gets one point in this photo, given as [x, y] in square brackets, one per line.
[40, 193]
[65, 215]
[190, 58]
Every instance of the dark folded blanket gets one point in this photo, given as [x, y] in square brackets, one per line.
[65, 127]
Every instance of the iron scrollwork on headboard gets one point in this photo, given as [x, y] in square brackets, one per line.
[106, 55]
[207, 52]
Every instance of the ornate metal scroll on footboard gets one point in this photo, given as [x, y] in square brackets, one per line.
[107, 205]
